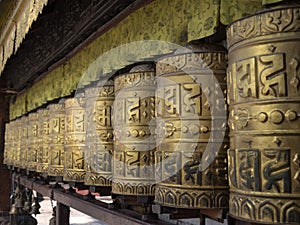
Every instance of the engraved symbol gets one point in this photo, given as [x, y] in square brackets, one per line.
[170, 167]
[277, 141]
[34, 130]
[242, 118]
[291, 115]
[171, 99]
[192, 172]
[272, 75]
[272, 48]
[104, 113]
[133, 163]
[248, 169]
[55, 125]
[133, 109]
[277, 116]
[295, 80]
[192, 100]
[245, 73]
[232, 168]
[79, 122]
[262, 117]
[278, 169]
[296, 160]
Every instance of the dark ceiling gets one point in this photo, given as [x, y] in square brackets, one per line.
[62, 26]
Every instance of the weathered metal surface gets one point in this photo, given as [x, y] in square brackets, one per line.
[264, 97]
[16, 143]
[99, 134]
[32, 141]
[24, 142]
[74, 140]
[191, 166]
[134, 142]
[57, 139]
[7, 144]
[43, 141]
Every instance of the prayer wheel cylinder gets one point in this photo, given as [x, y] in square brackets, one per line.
[99, 134]
[17, 143]
[32, 141]
[57, 139]
[264, 99]
[191, 159]
[74, 140]
[24, 142]
[7, 144]
[134, 142]
[43, 141]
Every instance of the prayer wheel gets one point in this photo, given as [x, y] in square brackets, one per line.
[57, 139]
[24, 142]
[264, 99]
[134, 141]
[7, 144]
[99, 134]
[74, 166]
[43, 141]
[191, 159]
[32, 141]
[17, 143]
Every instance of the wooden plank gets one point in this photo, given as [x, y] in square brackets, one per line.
[62, 214]
[93, 208]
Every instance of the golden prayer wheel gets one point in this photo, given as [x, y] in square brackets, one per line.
[264, 97]
[74, 140]
[17, 143]
[191, 159]
[43, 141]
[99, 134]
[24, 142]
[57, 139]
[7, 144]
[134, 142]
[32, 141]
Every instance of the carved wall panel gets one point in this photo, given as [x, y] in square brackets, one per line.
[134, 142]
[191, 168]
[99, 134]
[57, 139]
[32, 141]
[74, 164]
[264, 96]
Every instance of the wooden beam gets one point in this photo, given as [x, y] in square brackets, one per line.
[62, 214]
[94, 208]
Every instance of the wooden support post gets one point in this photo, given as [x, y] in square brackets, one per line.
[62, 214]
[5, 175]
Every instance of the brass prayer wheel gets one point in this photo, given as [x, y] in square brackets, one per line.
[57, 139]
[134, 141]
[99, 134]
[43, 141]
[17, 143]
[74, 166]
[264, 97]
[191, 160]
[32, 141]
[8, 144]
[24, 142]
